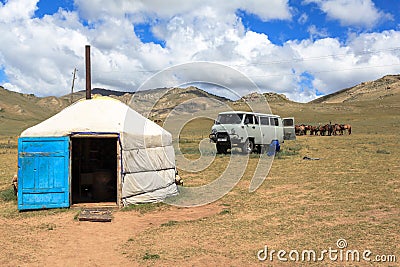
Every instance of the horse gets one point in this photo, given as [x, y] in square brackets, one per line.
[303, 129]
[322, 129]
[307, 128]
[346, 127]
[336, 128]
[299, 129]
[313, 130]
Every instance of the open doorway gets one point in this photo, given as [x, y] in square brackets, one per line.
[94, 169]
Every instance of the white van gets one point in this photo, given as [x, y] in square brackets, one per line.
[252, 132]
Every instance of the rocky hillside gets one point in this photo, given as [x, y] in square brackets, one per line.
[20, 111]
[387, 87]
[158, 103]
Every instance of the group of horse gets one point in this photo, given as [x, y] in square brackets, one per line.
[328, 129]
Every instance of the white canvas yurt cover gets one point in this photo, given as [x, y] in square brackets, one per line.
[148, 159]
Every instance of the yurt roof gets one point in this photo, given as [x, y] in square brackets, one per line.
[102, 115]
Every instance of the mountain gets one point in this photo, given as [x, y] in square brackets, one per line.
[158, 103]
[95, 91]
[270, 97]
[19, 111]
[387, 87]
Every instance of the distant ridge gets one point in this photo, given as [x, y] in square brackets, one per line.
[386, 87]
[101, 91]
[19, 111]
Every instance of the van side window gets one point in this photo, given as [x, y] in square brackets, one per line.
[288, 122]
[274, 121]
[256, 120]
[264, 120]
[248, 119]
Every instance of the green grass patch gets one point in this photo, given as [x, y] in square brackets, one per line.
[149, 256]
[170, 223]
[12, 211]
[144, 208]
[286, 153]
[77, 216]
[288, 150]
[8, 195]
[225, 211]
[382, 151]
[8, 145]
[47, 226]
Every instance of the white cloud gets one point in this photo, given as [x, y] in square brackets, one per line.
[361, 13]
[265, 9]
[316, 33]
[17, 10]
[336, 66]
[38, 55]
[303, 18]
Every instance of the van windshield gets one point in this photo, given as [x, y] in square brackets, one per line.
[229, 118]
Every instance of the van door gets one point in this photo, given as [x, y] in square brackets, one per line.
[265, 130]
[288, 129]
[253, 128]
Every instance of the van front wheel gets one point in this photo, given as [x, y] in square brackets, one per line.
[248, 147]
[222, 149]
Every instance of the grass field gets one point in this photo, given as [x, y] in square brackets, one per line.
[351, 193]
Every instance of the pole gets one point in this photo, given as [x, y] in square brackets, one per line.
[88, 76]
[72, 87]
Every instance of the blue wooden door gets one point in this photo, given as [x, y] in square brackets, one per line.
[43, 172]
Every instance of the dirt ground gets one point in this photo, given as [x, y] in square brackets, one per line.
[60, 240]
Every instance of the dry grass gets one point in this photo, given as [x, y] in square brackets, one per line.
[352, 192]
[8, 167]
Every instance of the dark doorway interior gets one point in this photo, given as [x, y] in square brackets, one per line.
[94, 169]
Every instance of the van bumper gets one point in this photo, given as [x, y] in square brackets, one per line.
[225, 138]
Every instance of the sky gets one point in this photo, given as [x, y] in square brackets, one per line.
[303, 49]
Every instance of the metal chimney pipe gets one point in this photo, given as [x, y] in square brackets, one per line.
[88, 73]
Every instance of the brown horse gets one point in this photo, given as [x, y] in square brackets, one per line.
[303, 130]
[322, 129]
[297, 129]
[346, 127]
[337, 128]
[313, 130]
[300, 129]
[307, 128]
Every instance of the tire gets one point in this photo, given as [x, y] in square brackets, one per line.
[248, 147]
[221, 149]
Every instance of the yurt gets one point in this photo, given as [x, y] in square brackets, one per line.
[96, 150]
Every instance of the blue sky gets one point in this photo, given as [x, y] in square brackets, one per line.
[49, 7]
[303, 48]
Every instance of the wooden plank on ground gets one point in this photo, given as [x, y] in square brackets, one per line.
[95, 215]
